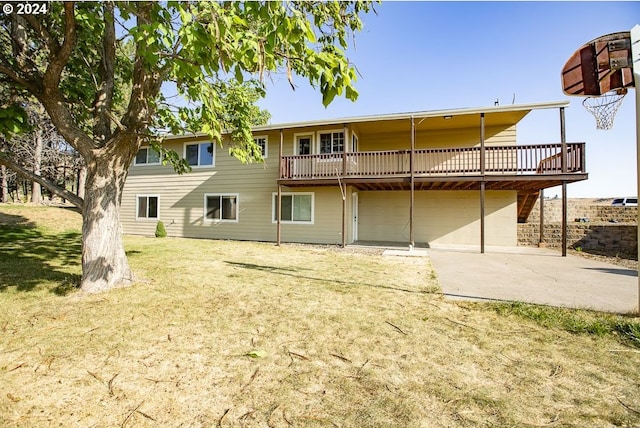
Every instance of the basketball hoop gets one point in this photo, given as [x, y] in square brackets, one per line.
[605, 107]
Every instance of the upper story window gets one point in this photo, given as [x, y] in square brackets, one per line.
[199, 154]
[304, 144]
[263, 143]
[147, 156]
[332, 142]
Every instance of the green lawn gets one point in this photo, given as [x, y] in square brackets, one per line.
[221, 333]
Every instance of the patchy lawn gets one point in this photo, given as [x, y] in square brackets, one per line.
[220, 333]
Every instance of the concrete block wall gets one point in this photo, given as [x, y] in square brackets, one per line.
[578, 208]
[614, 240]
[609, 231]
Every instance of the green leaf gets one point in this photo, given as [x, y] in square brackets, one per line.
[257, 353]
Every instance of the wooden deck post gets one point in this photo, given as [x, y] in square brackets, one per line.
[343, 187]
[279, 203]
[344, 215]
[344, 150]
[541, 241]
[482, 183]
[563, 140]
[412, 242]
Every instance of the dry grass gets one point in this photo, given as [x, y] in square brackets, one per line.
[250, 334]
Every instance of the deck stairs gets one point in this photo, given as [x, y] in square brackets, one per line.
[526, 201]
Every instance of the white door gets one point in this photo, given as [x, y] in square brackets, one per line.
[354, 213]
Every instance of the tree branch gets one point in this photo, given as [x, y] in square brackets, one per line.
[59, 59]
[29, 85]
[36, 24]
[104, 96]
[53, 188]
[145, 84]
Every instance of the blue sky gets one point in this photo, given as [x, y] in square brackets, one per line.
[416, 56]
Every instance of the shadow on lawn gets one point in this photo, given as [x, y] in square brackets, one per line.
[30, 257]
[292, 273]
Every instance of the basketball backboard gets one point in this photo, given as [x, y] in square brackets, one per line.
[600, 66]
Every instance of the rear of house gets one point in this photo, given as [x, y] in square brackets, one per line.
[454, 177]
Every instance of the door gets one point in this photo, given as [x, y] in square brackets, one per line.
[354, 214]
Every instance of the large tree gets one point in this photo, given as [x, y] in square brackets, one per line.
[102, 71]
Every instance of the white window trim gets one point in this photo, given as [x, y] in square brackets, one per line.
[331, 131]
[296, 142]
[222, 220]
[274, 202]
[135, 159]
[213, 154]
[138, 218]
[354, 136]
[265, 155]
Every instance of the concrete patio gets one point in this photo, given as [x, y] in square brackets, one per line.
[534, 275]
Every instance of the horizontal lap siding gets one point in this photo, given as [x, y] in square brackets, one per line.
[438, 139]
[440, 217]
[182, 201]
[182, 196]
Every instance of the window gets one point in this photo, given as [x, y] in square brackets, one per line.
[304, 144]
[147, 156]
[199, 154]
[147, 207]
[221, 207]
[332, 142]
[296, 207]
[263, 143]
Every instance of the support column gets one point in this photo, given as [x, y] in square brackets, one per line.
[541, 242]
[279, 215]
[344, 217]
[482, 183]
[563, 140]
[482, 192]
[635, 57]
[412, 241]
[345, 145]
[279, 202]
[343, 187]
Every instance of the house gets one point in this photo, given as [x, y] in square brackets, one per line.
[447, 177]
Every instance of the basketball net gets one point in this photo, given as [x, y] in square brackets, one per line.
[605, 107]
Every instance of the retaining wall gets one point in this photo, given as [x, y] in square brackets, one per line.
[577, 208]
[594, 228]
[614, 240]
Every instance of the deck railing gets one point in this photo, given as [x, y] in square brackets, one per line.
[505, 160]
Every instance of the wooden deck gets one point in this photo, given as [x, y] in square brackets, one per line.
[516, 167]
[526, 169]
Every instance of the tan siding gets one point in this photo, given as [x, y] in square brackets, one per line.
[181, 199]
[441, 217]
[438, 139]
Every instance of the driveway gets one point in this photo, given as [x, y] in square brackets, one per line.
[534, 275]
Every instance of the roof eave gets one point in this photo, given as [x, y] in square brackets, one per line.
[400, 116]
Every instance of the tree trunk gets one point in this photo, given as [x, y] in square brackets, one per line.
[36, 190]
[82, 179]
[5, 184]
[104, 262]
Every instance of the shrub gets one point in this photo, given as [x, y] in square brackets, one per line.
[161, 232]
